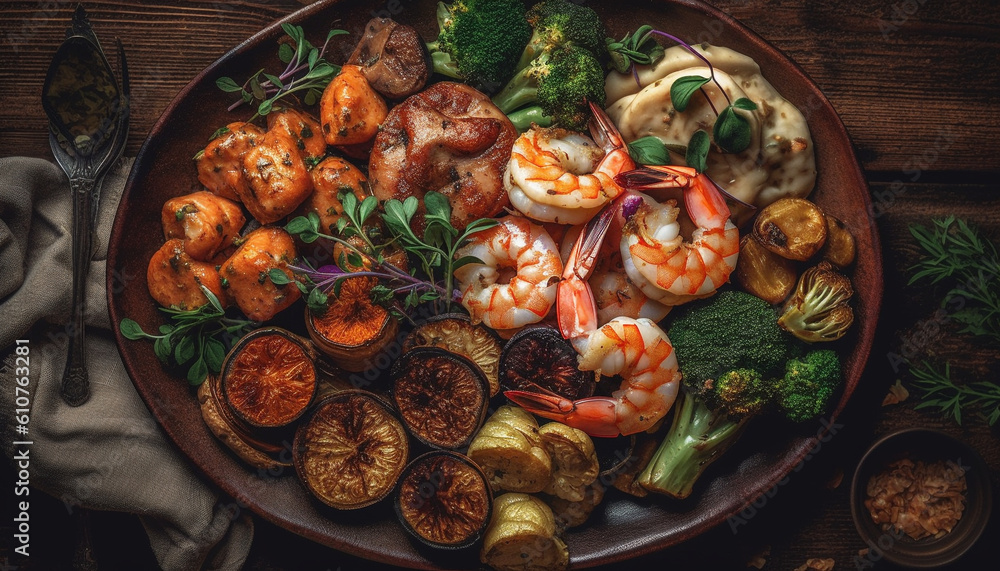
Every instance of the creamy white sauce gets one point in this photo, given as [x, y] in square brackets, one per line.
[780, 161]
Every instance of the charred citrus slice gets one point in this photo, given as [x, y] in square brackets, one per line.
[269, 378]
[351, 451]
[444, 500]
[538, 359]
[352, 330]
[455, 333]
[441, 396]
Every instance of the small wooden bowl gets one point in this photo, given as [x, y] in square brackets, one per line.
[930, 446]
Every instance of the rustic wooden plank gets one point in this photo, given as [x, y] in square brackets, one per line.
[903, 83]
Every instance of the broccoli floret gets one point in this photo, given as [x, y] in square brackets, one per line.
[708, 419]
[558, 23]
[480, 41]
[730, 330]
[560, 82]
[808, 384]
[741, 393]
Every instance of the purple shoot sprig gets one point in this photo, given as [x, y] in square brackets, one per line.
[305, 70]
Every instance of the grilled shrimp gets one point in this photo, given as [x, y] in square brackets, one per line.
[636, 349]
[656, 256]
[615, 295]
[516, 283]
[555, 175]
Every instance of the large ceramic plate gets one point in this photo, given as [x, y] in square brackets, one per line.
[624, 527]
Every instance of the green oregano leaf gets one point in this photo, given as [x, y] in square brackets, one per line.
[278, 277]
[227, 84]
[649, 150]
[745, 104]
[731, 131]
[683, 88]
[131, 329]
[697, 150]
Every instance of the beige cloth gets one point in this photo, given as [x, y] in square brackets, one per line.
[109, 453]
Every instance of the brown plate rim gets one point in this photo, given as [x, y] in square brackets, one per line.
[651, 540]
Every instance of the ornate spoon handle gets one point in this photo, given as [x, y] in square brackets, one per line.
[76, 383]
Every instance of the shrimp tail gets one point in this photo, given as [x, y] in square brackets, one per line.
[576, 311]
[597, 416]
[705, 203]
[603, 130]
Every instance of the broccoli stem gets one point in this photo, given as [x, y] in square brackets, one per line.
[442, 62]
[523, 118]
[521, 90]
[697, 437]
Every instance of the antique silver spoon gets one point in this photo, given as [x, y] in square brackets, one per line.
[88, 125]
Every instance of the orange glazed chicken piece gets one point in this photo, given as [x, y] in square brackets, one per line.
[246, 273]
[303, 128]
[351, 111]
[220, 165]
[277, 178]
[331, 177]
[173, 278]
[207, 223]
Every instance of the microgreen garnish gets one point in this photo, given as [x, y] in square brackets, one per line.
[197, 338]
[649, 150]
[731, 131]
[306, 71]
[637, 48]
[398, 290]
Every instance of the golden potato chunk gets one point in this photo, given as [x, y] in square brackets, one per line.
[521, 536]
[207, 223]
[173, 278]
[246, 273]
[277, 178]
[220, 165]
[303, 128]
[510, 451]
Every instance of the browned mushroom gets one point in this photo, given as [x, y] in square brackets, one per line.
[393, 57]
[449, 138]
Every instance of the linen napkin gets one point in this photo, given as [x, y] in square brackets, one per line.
[109, 453]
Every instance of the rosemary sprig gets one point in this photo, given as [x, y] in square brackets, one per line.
[306, 71]
[940, 392]
[197, 338]
[955, 253]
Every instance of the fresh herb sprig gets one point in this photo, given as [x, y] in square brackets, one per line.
[955, 253]
[306, 71]
[731, 130]
[196, 338]
[953, 400]
[435, 252]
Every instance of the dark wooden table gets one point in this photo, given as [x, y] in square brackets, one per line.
[917, 83]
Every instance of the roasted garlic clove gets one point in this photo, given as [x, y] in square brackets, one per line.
[840, 249]
[510, 450]
[522, 536]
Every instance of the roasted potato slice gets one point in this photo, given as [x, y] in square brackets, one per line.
[840, 249]
[510, 451]
[522, 536]
[764, 273]
[793, 228]
[229, 435]
[574, 460]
